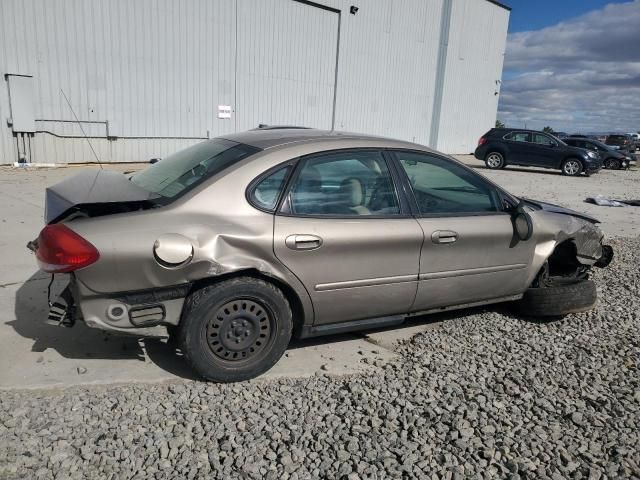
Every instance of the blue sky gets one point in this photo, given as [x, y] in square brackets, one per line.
[573, 65]
[536, 14]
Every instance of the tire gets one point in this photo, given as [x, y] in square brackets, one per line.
[235, 330]
[494, 160]
[572, 167]
[613, 164]
[558, 300]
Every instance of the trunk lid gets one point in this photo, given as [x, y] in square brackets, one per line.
[95, 192]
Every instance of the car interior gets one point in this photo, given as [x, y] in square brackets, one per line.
[344, 186]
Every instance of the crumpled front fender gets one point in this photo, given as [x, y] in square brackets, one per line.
[551, 229]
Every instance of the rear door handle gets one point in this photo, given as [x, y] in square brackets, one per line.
[444, 236]
[303, 242]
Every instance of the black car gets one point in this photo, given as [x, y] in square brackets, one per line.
[500, 147]
[611, 158]
[622, 142]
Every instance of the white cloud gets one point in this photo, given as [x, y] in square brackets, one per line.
[583, 74]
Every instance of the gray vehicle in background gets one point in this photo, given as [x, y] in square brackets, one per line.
[611, 158]
[620, 142]
[236, 244]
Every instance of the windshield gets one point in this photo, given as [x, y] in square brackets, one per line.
[559, 140]
[602, 145]
[183, 170]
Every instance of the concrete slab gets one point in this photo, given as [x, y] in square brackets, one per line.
[36, 355]
[389, 339]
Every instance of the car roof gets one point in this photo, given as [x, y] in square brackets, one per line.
[525, 130]
[265, 138]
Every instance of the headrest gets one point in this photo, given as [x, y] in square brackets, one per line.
[352, 190]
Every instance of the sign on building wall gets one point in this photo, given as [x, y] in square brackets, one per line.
[224, 111]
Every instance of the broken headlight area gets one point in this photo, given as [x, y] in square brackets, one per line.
[572, 260]
[606, 258]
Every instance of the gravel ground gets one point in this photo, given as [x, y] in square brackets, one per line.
[486, 395]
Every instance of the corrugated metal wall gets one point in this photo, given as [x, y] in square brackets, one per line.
[475, 55]
[386, 75]
[286, 64]
[156, 70]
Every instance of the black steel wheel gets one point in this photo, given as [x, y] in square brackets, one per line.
[236, 329]
[239, 330]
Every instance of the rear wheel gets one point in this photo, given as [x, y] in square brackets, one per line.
[558, 300]
[613, 164]
[494, 160]
[572, 167]
[235, 330]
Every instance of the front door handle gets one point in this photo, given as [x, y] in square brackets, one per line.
[303, 242]
[444, 236]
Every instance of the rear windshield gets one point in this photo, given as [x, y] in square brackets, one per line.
[183, 170]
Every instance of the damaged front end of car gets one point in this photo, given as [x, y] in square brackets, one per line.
[569, 245]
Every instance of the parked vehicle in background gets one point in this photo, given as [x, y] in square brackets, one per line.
[635, 138]
[500, 147]
[622, 142]
[611, 158]
[238, 243]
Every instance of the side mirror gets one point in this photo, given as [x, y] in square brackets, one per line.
[522, 223]
[154, 160]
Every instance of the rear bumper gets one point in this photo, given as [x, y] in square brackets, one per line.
[480, 153]
[142, 313]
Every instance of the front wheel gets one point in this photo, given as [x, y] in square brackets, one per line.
[235, 330]
[494, 160]
[613, 164]
[572, 167]
[558, 300]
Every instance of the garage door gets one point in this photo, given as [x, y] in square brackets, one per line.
[286, 61]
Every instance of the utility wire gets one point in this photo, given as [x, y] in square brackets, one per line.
[86, 137]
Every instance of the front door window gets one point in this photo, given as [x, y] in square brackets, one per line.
[443, 188]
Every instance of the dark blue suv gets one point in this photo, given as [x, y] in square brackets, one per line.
[500, 147]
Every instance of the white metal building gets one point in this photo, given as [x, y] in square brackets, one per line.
[147, 77]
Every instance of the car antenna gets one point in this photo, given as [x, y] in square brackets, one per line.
[81, 128]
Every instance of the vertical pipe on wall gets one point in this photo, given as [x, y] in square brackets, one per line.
[234, 109]
[335, 77]
[445, 27]
[17, 148]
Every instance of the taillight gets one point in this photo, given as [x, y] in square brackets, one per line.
[61, 250]
[482, 141]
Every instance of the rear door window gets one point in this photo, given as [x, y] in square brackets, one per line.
[519, 137]
[267, 191]
[350, 183]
